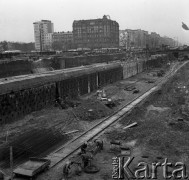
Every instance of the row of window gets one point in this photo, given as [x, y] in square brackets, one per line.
[94, 35]
[96, 28]
[92, 23]
[96, 40]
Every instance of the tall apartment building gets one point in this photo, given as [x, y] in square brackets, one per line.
[96, 33]
[41, 28]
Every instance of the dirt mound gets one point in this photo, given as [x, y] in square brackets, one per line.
[90, 110]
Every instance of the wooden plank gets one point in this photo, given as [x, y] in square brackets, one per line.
[130, 125]
[70, 132]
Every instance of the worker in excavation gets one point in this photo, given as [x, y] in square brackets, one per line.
[99, 144]
[87, 158]
[83, 148]
[66, 169]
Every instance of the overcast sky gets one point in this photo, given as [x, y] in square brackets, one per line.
[162, 16]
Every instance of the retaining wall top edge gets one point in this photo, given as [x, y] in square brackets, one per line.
[30, 81]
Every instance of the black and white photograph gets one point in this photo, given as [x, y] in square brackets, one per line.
[94, 89]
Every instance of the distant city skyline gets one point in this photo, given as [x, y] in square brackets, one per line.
[164, 17]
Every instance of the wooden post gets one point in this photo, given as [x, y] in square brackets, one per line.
[11, 162]
[7, 136]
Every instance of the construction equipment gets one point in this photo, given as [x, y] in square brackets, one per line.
[101, 95]
[83, 160]
[91, 149]
[32, 167]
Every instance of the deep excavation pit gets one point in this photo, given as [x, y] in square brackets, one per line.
[80, 117]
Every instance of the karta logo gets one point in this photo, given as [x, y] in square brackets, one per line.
[143, 170]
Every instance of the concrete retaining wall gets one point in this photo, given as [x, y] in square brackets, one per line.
[23, 95]
[15, 68]
[133, 68]
[92, 59]
[21, 67]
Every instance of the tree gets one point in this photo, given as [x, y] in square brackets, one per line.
[4, 45]
[16, 46]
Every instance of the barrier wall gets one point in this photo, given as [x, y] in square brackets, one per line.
[133, 68]
[92, 59]
[21, 67]
[15, 68]
[23, 96]
[19, 103]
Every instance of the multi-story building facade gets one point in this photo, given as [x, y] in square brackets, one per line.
[62, 36]
[41, 28]
[134, 38]
[58, 41]
[154, 40]
[96, 33]
[166, 41]
[48, 41]
[137, 38]
[141, 39]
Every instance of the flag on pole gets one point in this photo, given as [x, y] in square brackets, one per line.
[184, 26]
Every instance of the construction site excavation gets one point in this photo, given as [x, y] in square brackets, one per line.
[77, 122]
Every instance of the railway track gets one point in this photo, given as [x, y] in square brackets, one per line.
[60, 155]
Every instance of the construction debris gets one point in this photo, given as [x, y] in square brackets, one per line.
[131, 125]
[130, 88]
[125, 151]
[150, 81]
[160, 73]
[115, 146]
[136, 91]
[71, 132]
